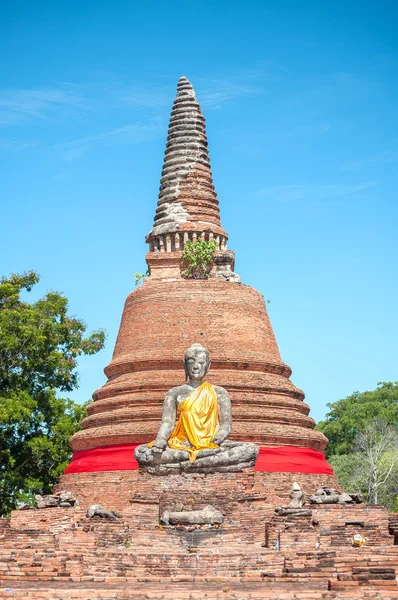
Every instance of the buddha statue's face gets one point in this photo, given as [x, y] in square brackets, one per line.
[196, 365]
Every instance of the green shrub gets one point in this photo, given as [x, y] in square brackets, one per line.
[197, 258]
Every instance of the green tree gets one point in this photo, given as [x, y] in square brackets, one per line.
[347, 468]
[372, 466]
[378, 447]
[349, 417]
[39, 346]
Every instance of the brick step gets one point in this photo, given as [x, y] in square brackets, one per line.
[156, 590]
[127, 563]
[371, 584]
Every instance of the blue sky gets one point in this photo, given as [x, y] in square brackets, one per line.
[300, 100]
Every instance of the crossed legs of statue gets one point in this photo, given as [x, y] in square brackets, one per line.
[229, 457]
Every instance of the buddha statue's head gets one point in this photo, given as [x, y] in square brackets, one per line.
[196, 362]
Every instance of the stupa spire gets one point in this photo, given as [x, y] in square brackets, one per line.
[187, 203]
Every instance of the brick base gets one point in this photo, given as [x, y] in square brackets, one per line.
[253, 553]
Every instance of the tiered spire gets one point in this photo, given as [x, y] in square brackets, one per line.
[187, 205]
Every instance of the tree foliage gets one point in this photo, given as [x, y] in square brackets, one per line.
[363, 442]
[39, 346]
[373, 467]
[349, 417]
[347, 467]
[197, 258]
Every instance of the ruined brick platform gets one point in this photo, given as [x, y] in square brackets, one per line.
[254, 553]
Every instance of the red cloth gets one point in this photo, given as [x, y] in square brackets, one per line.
[120, 457]
[116, 457]
[292, 459]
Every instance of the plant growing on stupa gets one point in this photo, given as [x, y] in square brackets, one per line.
[39, 346]
[197, 258]
[139, 277]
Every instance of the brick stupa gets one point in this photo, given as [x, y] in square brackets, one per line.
[169, 313]
[256, 552]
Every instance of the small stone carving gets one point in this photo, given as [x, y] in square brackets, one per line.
[197, 442]
[297, 497]
[297, 501]
[68, 497]
[327, 495]
[96, 510]
[358, 498]
[25, 506]
[291, 512]
[61, 499]
[206, 516]
[224, 262]
[345, 499]
[46, 501]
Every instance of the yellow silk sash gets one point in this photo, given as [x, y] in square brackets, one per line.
[197, 423]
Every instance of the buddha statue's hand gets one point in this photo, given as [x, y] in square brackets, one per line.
[157, 450]
[218, 439]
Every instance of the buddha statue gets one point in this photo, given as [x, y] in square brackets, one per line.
[296, 506]
[196, 441]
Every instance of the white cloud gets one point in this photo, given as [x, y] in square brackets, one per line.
[217, 92]
[388, 156]
[128, 134]
[9, 144]
[70, 105]
[148, 97]
[211, 93]
[19, 106]
[312, 130]
[291, 193]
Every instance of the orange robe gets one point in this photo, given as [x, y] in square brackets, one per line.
[197, 423]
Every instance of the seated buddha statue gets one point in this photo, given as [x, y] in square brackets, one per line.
[196, 422]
